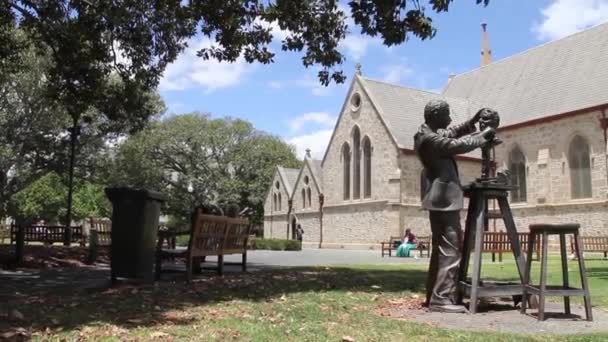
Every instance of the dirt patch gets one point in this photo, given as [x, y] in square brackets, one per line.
[500, 317]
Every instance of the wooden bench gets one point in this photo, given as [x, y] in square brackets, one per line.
[423, 244]
[209, 235]
[388, 246]
[20, 235]
[498, 243]
[592, 244]
[45, 234]
[5, 233]
[100, 236]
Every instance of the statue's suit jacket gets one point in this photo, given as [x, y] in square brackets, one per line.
[440, 188]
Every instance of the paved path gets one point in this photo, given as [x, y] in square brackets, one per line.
[318, 257]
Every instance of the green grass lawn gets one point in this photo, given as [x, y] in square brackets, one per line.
[306, 304]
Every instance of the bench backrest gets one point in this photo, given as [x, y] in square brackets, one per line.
[592, 243]
[5, 232]
[423, 242]
[103, 229]
[213, 235]
[499, 242]
[237, 235]
[45, 233]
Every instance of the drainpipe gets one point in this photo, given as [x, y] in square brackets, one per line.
[289, 210]
[321, 200]
[604, 125]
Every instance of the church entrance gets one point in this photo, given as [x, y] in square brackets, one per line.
[294, 222]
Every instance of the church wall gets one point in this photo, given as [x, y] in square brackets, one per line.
[363, 225]
[275, 221]
[311, 223]
[307, 215]
[275, 227]
[298, 205]
[548, 175]
[385, 172]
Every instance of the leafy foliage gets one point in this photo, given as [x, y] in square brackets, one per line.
[44, 199]
[91, 39]
[35, 127]
[278, 244]
[221, 161]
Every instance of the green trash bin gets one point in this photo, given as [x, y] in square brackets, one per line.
[135, 214]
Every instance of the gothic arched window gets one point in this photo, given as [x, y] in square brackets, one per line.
[367, 168]
[356, 163]
[274, 202]
[303, 198]
[308, 192]
[346, 170]
[517, 167]
[279, 201]
[580, 168]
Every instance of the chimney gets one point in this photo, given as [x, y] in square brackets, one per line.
[486, 53]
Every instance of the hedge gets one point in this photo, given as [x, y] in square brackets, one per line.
[278, 244]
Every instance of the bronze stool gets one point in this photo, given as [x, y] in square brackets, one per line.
[543, 290]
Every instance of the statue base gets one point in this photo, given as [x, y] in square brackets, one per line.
[479, 193]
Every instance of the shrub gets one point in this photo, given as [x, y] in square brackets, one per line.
[293, 245]
[278, 244]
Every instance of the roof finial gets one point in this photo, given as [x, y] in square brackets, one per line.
[486, 53]
[358, 69]
[308, 153]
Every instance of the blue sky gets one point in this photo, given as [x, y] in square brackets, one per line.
[287, 100]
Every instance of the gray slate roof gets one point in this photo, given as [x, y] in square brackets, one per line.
[317, 173]
[289, 177]
[402, 108]
[553, 78]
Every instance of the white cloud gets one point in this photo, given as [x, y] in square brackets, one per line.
[276, 84]
[316, 142]
[356, 45]
[319, 118]
[396, 73]
[564, 17]
[190, 71]
[316, 88]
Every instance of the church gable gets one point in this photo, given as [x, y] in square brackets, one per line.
[306, 192]
[360, 125]
[277, 198]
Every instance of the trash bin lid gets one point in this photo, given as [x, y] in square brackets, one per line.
[121, 192]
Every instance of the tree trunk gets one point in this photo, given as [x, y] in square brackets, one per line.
[74, 131]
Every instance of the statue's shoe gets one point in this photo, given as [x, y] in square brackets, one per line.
[449, 308]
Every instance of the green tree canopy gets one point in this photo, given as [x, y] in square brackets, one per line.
[35, 128]
[199, 160]
[44, 199]
[89, 39]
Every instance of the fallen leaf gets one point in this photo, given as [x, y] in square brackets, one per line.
[347, 339]
[15, 314]
[158, 334]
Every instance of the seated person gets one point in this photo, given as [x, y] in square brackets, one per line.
[409, 243]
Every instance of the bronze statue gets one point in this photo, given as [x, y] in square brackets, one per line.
[436, 145]
[488, 118]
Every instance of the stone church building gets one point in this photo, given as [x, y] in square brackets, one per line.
[553, 103]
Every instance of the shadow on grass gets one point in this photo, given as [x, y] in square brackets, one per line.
[598, 272]
[70, 307]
